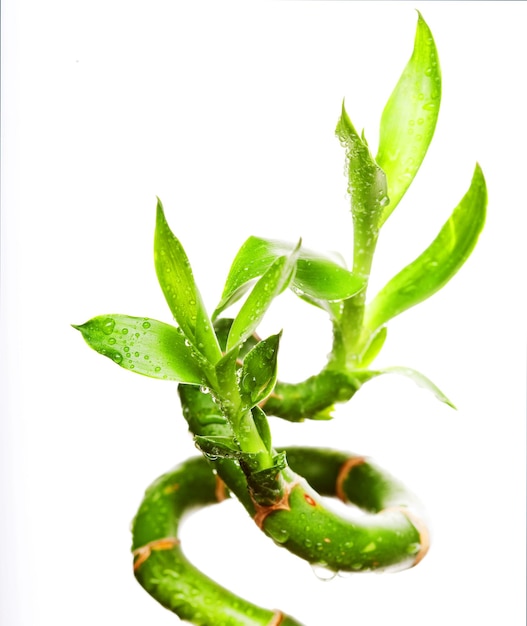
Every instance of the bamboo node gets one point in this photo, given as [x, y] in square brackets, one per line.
[262, 511]
[419, 525]
[344, 470]
[276, 619]
[144, 552]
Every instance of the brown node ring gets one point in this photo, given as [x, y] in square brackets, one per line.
[344, 471]
[276, 619]
[142, 553]
[262, 511]
[420, 527]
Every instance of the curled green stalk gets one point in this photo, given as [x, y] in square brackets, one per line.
[227, 375]
[370, 542]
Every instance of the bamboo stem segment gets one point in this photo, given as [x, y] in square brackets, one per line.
[391, 536]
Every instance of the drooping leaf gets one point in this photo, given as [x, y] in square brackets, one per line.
[145, 346]
[438, 263]
[417, 377]
[270, 285]
[317, 277]
[181, 293]
[258, 372]
[409, 117]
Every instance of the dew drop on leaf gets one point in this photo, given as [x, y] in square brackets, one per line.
[111, 341]
[125, 331]
[117, 357]
[108, 326]
[146, 324]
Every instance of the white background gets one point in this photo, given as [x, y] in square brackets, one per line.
[227, 113]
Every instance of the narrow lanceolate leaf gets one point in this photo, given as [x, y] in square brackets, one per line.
[258, 372]
[438, 263]
[418, 378]
[366, 180]
[409, 118]
[271, 284]
[144, 346]
[181, 293]
[318, 277]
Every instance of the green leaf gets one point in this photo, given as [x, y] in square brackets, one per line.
[144, 346]
[218, 446]
[409, 118]
[181, 293]
[262, 426]
[414, 375]
[438, 263]
[317, 277]
[270, 285]
[366, 180]
[258, 372]
[374, 347]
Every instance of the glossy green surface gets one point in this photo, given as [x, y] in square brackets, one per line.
[228, 383]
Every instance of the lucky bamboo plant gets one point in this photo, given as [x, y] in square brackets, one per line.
[228, 383]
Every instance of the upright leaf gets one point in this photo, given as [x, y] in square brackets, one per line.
[145, 346]
[366, 180]
[270, 285]
[438, 263]
[409, 118]
[258, 372]
[181, 293]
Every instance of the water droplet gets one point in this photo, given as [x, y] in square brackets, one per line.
[408, 290]
[125, 331]
[111, 341]
[117, 357]
[157, 369]
[146, 324]
[430, 106]
[280, 535]
[322, 572]
[136, 353]
[126, 349]
[146, 357]
[108, 325]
